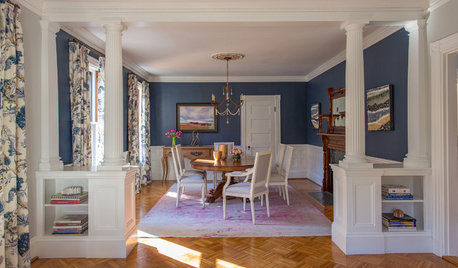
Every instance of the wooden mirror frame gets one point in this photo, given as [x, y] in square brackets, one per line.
[330, 118]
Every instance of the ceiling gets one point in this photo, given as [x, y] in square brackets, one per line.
[179, 49]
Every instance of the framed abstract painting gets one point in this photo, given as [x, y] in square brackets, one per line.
[196, 117]
[379, 108]
[315, 115]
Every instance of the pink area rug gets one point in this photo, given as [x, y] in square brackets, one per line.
[301, 218]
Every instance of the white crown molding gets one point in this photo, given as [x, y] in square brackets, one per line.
[36, 6]
[226, 11]
[93, 41]
[369, 40]
[434, 4]
[197, 79]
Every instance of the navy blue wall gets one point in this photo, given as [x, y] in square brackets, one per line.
[165, 96]
[65, 126]
[385, 62]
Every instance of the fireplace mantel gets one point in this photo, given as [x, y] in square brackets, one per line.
[331, 141]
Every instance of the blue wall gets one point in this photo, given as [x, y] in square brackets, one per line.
[385, 62]
[65, 126]
[165, 96]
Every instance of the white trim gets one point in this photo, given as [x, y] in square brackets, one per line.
[164, 79]
[368, 41]
[36, 6]
[96, 43]
[434, 4]
[441, 138]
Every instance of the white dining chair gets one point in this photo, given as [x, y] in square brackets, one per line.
[260, 174]
[281, 178]
[280, 158]
[230, 146]
[182, 167]
[187, 180]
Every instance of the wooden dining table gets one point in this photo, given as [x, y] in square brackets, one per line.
[223, 166]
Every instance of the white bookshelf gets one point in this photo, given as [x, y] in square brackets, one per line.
[110, 208]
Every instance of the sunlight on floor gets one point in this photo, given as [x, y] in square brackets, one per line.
[174, 251]
[225, 264]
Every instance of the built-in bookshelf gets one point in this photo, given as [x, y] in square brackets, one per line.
[110, 207]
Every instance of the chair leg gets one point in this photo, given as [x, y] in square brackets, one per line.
[252, 210]
[267, 204]
[178, 196]
[279, 190]
[244, 204]
[284, 192]
[214, 180]
[287, 195]
[203, 195]
[224, 206]
[262, 200]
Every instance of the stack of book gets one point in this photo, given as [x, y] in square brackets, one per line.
[69, 198]
[404, 224]
[396, 192]
[70, 224]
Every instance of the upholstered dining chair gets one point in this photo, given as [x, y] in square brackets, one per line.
[182, 167]
[281, 178]
[230, 146]
[260, 174]
[187, 180]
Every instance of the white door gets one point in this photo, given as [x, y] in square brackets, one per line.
[260, 123]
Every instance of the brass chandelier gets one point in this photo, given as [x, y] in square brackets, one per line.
[227, 107]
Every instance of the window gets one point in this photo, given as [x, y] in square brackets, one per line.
[96, 87]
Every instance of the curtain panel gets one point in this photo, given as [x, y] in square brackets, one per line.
[14, 236]
[145, 136]
[80, 104]
[133, 118]
[100, 110]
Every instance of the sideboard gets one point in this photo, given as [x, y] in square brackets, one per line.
[190, 152]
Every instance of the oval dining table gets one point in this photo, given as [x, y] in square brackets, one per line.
[223, 166]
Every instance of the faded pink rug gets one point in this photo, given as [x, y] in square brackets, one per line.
[301, 218]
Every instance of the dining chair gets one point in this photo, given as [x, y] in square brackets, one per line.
[280, 158]
[230, 146]
[281, 178]
[182, 167]
[260, 174]
[187, 180]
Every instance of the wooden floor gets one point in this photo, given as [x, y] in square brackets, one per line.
[241, 252]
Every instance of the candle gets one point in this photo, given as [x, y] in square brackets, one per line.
[213, 97]
[241, 97]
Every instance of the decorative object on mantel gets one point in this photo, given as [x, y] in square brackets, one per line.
[236, 154]
[227, 90]
[223, 149]
[379, 108]
[315, 115]
[195, 139]
[174, 134]
[196, 117]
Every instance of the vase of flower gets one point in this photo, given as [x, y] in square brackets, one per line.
[174, 134]
[236, 154]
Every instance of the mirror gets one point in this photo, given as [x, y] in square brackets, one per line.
[338, 109]
[335, 120]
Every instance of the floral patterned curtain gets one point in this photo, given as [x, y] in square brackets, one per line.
[145, 157]
[100, 109]
[133, 127]
[14, 236]
[80, 103]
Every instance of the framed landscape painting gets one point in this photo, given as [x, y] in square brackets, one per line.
[196, 117]
[379, 108]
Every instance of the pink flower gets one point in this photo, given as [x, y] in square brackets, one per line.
[173, 133]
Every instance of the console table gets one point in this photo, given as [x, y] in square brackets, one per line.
[190, 152]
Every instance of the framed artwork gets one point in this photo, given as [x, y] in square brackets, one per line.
[379, 108]
[315, 115]
[199, 117]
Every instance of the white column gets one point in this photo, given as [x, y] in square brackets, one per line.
[113, 136]
[49, 158]
[355, 135]
[416, 95]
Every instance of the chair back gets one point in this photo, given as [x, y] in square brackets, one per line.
[280, 157]
[176, 162]
[261, 170]
[286, 165]
[181, 164]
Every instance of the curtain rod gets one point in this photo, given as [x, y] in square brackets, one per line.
[88, 47]
[15, 5]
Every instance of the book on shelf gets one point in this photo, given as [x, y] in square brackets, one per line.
[62, 202]
[70, 228]
[72, 218]
[69, 196]
[391, 218]
[404, 224]
[397, 197]
[395, 189]
[402, 229]
[71, 224]
[399, 224]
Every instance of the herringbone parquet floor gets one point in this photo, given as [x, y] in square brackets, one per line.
[241, 252]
